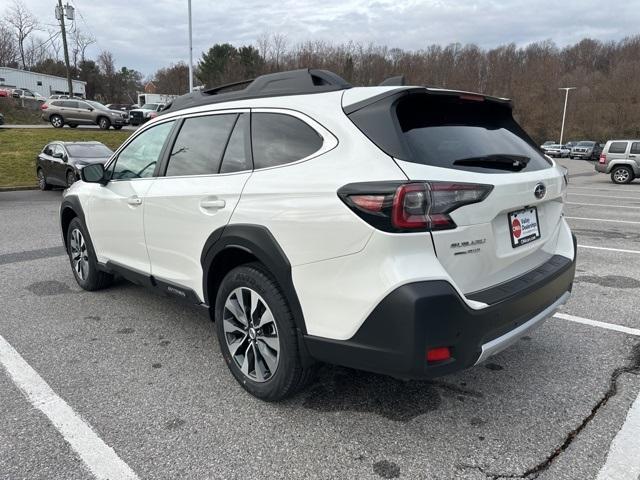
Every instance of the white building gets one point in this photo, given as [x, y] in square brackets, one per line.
[44, 84]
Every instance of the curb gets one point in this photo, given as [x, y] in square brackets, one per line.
[15, 189]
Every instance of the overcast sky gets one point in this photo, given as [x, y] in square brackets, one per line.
[148, 34]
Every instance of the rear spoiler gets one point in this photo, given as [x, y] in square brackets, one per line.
[354, 107]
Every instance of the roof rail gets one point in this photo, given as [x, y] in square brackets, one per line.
[397, 81]
[293, 82]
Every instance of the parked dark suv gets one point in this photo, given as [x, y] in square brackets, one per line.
[82, 112]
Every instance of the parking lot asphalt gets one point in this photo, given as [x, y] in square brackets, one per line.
[146, 374]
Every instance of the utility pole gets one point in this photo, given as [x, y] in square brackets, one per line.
[564, 112]
[60, 14]
[190, 51]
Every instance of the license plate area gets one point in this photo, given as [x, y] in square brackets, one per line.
[524, 226]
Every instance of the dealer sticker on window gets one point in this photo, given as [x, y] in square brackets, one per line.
[524, 226]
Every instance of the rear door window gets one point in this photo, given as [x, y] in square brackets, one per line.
[278, 139]
[449, 132]
[618, 147]
[69, 104]
[200, 144]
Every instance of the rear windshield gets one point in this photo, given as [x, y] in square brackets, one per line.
[479, 136]
[89, 151]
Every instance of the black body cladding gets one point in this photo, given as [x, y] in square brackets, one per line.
[415, 317]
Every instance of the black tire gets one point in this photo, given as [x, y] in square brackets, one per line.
[73, 125]
[57, 121]
[622, 174]
[71, 178]
[104, 123]
[290, 375]
[117, 127]
[91, 277]
[42, 180]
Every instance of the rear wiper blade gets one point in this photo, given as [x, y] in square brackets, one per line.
[499, 161]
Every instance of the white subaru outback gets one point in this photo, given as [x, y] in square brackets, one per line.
[402, 230]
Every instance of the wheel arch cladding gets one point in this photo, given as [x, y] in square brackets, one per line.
[233, 245]
[69, 209]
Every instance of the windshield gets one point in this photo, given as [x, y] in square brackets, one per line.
[446, 131]
[586, 144]
[96, 150]
[97, 105]
[150, 106]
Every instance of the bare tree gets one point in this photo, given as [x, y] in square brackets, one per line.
[8, 46]
[23, 23]
[80, 42]
[263, 43]
[279, 41]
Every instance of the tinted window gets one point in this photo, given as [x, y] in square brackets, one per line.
[200, 144]
[635, 148]
[278, 139]
[69, 104]
[236, 156]
[139, 158]
[480, 136]
[89, 151]
[48, 150]
[618, 147]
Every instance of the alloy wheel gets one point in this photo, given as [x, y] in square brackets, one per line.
[71, 178]
[57, 122]
[621, 175]
[251, 334]
[79, 254]
[42, 182]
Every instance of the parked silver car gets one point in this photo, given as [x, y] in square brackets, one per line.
[82, 112]
[620, 159]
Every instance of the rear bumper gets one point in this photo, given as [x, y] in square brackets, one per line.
[423, 315]
[601, 167]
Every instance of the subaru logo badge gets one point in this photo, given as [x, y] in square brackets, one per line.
[540, 191]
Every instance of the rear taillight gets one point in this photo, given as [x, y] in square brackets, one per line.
[411, 207]
[44, 106]
[603, 158]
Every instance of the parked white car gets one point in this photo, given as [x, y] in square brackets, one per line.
[403, 230]
[556, 150]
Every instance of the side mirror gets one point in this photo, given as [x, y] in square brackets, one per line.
[90, 109]
[93, 173]
[58, 155]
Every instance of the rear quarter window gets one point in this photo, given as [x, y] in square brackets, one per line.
[279, 139]
[618, 147]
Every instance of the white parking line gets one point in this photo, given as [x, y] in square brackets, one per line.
[100, 459]
[601, 220]
[623, 459]
[592, 189]
[596, 323]
[600, 205]
[609, 249]
[611, 197]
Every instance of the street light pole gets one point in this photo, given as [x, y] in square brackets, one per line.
[564, 112]
[60, 14]
[190, 51]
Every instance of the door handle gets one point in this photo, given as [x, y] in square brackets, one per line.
[213, 204]
[135, 200]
